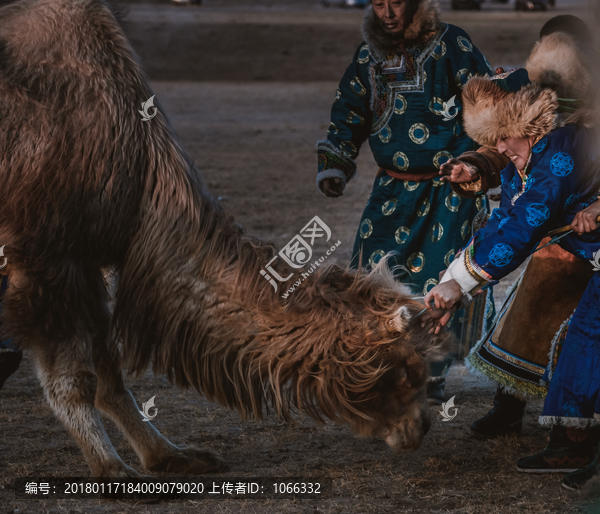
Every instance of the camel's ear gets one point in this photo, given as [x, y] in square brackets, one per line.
[400, 320]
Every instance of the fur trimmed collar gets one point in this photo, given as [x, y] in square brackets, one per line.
[425, 19]
[490, 113]
[557, 61]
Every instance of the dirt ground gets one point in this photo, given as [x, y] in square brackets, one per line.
[248, 86]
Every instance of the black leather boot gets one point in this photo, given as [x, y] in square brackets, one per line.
[569, 449]
[506, 417]
[578, 479]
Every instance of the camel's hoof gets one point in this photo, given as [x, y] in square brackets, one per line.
[190, 460]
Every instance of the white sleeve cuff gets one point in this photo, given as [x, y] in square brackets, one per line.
[458, 271]
[330, 173]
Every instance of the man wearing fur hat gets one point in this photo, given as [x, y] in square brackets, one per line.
[553, 174]
[402, 93]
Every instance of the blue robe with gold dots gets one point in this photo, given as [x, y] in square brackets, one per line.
[411, 116]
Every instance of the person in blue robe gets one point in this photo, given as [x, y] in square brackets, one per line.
[553, 175]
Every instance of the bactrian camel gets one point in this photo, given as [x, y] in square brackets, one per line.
[88, 185]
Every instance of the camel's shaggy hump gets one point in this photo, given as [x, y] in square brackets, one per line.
[81, 173]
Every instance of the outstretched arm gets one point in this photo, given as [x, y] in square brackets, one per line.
[474, 173]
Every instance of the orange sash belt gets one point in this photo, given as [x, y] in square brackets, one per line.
[411, 177]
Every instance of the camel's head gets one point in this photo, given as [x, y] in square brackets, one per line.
[395, 405]
[370, 359]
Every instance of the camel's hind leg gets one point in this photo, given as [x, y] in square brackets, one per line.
[155, 451]
[55, 318]
[67, 375]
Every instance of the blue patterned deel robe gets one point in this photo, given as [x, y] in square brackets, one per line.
[423, 222]
[564, 178]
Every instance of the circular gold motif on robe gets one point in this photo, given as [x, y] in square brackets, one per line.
[400, 104]
[400, 160]
[402, 235]
[332, 128]
[385, 134]
[355, 119]
[349, 148]
[418, 133]
[438, 158]
[366, 228]
[429, 284]
[436, 232]
[440, 51]
[416, 262]
[389, 207]
[357, 87]
[453, 202]
[374, 255]
[464, 44]
[411, 186]
[424, 208]
[363, 55]
[449, 257]
[465, 230]
[384, 181]
[338, 95]
[462, 76]
[437, 101]
[436, 182]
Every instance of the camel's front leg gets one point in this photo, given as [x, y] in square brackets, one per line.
[155, 451]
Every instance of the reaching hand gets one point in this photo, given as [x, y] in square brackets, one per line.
[442, 302]
[586, 219]
[444, 295]
[438, 318]
[332, 187]
[458, 171]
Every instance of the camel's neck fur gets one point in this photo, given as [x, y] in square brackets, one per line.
[192, 301]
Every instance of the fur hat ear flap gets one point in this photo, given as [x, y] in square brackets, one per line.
[490, 113]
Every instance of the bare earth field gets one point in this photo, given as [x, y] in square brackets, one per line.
[248, 87]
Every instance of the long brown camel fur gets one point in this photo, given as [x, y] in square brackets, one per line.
[86, 185]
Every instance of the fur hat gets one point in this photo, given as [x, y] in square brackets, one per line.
[490, 112]
[570, 68]
[560, 68]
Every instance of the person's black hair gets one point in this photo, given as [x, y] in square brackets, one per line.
[572, 25]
